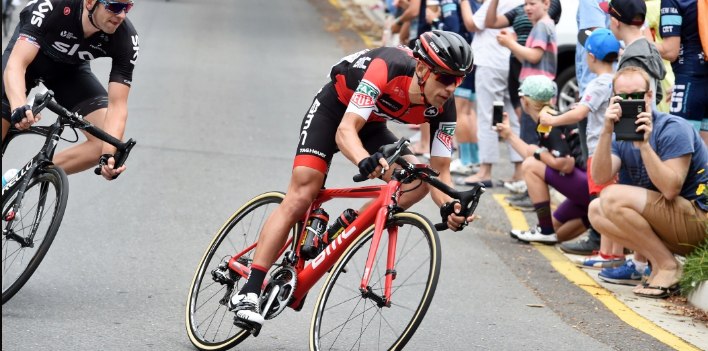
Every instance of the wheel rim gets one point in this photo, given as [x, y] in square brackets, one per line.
[209, 320]
[345, 320]
[566, 98]
[15, 258]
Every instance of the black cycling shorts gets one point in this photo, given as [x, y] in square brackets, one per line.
[317, 144]
[75, 87]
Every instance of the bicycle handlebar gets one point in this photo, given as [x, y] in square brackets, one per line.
[42, 101]
[468, 199]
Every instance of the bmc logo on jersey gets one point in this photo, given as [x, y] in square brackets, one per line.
[39, 14]
[71, 50]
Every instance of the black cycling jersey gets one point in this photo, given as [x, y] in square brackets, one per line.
[62, 63]
[54, 26]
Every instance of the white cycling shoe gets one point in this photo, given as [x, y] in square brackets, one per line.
[248, 313]
[534, 235]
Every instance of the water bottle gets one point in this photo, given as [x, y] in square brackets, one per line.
[11, 173]
[313, 241]
[341, 223]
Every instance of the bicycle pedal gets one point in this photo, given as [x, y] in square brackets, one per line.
[253, 329]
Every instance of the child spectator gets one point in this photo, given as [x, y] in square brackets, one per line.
[627, 19]
[602, 51]
[522, 25]
[553, 163]
[682, 46]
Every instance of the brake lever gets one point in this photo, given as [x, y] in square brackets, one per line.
[120, 156]
[469, 210]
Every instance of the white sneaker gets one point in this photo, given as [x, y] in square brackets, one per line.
[534, 235]
[248, 313]
[516, 187]
[457, 167]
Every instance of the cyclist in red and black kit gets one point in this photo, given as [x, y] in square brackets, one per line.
[349, 114]
[53, 43]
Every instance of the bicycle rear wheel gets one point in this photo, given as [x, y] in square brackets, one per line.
[344, 320]
[36, 223]
[209, 323]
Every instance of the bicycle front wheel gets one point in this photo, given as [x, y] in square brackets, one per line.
[344, 320]
[27, 240]
[209, 322]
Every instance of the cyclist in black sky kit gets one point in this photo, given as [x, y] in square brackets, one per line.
[348, 115]
[53, 43]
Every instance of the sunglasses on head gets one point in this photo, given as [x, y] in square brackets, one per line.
[446, 78]
[117, 7]
[637, 95]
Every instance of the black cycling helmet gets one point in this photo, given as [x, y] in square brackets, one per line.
[443, 49]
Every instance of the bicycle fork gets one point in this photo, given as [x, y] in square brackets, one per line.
[366, 290]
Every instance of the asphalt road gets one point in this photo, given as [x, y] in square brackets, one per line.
[219, 92]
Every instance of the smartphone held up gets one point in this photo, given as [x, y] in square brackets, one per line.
[625, 128]
[498, 114]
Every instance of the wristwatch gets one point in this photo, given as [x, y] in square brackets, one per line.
[537, 154]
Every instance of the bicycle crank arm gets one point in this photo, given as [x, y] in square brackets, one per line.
[271, 298]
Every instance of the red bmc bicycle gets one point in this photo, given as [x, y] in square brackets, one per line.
[377, 308]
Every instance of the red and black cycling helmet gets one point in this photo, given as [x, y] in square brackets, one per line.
[443, 49]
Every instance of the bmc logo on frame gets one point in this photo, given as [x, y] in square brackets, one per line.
[321, 257]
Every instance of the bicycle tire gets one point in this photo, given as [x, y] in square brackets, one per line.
[55, 176]
[343, 286]
[213, 255]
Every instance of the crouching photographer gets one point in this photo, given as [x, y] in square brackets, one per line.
[664, 212]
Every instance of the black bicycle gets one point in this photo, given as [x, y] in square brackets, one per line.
[34, 200]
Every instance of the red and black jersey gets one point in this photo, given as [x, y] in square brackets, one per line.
[374, 85]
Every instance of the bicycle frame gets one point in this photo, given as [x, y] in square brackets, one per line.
[377, 213]
[22, 179]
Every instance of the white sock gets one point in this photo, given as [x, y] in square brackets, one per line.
[640, 266]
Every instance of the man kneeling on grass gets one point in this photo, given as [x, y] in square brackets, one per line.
[663, 211]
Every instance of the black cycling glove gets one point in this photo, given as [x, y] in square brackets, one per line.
[369, 164]
[18, 114]
[447, 209]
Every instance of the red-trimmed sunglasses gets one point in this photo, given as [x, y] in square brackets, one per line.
[446, 78]
[117, 7]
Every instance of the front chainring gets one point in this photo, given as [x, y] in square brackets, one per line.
[286, 279]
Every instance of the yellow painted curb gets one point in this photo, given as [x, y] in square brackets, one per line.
[363, 36]
[576, 276]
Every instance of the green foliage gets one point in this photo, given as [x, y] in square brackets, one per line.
[695, 269]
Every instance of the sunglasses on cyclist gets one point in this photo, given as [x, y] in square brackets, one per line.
[637, 95]
[117, 7]
[446, 78]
